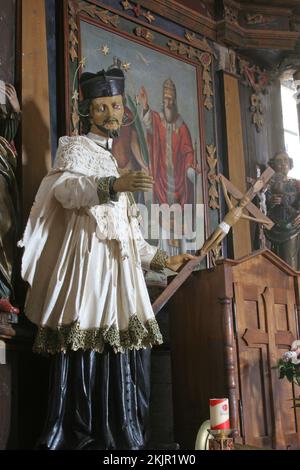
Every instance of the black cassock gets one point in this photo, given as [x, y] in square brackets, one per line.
[98, 401]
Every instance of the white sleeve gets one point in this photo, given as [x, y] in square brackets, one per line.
[147, 253]
[76, 191]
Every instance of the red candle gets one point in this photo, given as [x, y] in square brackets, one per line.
[219, 413]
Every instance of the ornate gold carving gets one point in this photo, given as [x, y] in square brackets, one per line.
[258, 18]
[231, 14]
[93, 11]
[138, 11]
[103, 15]
[253, 76]
[257, 111]
[144, 33]
[258, 80]
[74, 114]
[255, 18]
[127, 5]
[148, 15]
[201, 44]
[181, 49]
[75, 98]
[73, 32]
[205, 59]
[212, 177]
[73, 52]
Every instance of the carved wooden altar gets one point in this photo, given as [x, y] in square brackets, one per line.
[229, 325]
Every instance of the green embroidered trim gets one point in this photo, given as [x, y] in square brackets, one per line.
[113, 195]
[158, 262]
[71, 337]
[104, 190]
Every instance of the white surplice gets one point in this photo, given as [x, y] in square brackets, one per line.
[84, 260]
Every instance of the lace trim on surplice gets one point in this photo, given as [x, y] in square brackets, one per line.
[72, 337]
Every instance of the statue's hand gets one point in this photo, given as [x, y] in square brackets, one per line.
[296, 221]
[133, 181]
[276, 199]
[12, 97]
[175, 262]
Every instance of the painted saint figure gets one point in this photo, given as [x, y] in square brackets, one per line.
[84, 259]
[171, 149]
[172, 157]
[283, 208]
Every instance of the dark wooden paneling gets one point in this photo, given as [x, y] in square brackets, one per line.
[5, 404]
[229, 325]
[23, 395]
[196, 351]
[7, 40]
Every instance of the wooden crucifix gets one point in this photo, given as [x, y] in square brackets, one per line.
[235, 213]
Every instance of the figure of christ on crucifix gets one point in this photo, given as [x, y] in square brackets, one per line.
[235, 213]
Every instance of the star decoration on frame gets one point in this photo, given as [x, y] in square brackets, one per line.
[126, 66]
[105, 49]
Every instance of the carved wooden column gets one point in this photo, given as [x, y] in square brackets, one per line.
[230, 362]
[36, 157]
[269, 301]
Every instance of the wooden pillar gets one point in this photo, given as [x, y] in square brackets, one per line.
[230, 363]
[236, 161]
[36, 157]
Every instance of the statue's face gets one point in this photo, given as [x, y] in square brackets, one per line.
[282, 164]
[106, 115]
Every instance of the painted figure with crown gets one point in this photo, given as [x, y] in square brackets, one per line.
[84, 260]
[172, 156]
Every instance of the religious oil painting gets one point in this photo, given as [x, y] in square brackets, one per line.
[161, 132]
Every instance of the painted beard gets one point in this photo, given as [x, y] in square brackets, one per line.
[111, 133]
[170, 113]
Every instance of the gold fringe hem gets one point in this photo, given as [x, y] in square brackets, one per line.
[71, 337]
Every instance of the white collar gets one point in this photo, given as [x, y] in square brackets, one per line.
[105, 143]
